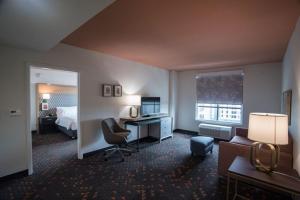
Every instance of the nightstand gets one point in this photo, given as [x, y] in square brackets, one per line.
[47, 124]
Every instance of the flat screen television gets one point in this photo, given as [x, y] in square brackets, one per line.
[150, 106]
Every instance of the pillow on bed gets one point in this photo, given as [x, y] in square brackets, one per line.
[66, 112]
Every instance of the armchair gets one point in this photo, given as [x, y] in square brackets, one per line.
[116, 136]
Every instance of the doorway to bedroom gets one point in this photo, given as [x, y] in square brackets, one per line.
[53, 117]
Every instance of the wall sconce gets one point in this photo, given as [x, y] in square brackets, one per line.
[134, 101]
[45, 98]
[44, 103]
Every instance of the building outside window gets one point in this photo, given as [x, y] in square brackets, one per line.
[219, 113]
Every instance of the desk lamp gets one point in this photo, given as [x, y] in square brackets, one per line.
[270, 130]
[134, 101]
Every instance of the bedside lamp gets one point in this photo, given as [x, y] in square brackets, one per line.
[267, 129]
[44, 102]
[134, 101]
[45, 97]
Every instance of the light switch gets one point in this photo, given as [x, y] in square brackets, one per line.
[16, 112]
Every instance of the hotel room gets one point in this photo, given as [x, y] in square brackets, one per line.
[148, 99]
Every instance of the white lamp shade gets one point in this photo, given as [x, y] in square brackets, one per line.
[46, 96]
[133, 100]
[268, 128]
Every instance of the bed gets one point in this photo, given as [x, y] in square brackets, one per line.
[67, 120]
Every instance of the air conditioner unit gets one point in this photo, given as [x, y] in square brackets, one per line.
[215, 131]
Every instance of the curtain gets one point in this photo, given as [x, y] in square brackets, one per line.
[220, 88]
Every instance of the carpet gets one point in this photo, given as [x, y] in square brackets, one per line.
[163, 170]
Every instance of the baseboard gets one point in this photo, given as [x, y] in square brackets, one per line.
[17, 175]
[185, 132]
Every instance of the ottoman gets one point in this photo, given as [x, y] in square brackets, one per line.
[201, 145]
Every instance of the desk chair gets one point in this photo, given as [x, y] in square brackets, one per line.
[115, 135]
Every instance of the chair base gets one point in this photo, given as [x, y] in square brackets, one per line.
[117, 149]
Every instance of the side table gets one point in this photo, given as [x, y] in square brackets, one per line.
[242, 171]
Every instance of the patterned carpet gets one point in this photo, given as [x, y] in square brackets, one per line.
[159, 171]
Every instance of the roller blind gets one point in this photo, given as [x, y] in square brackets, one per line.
[220, 87]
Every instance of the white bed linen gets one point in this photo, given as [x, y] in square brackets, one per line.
[67, 122]
[67, 117]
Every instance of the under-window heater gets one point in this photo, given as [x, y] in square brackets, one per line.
[215, 131]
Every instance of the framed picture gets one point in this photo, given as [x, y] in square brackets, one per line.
[117, 90]
[45, 106]
[107, 90]
[287, 104]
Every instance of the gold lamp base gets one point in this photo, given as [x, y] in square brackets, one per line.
[255, 157]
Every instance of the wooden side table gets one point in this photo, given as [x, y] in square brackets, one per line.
[242, 171]
[47, 124]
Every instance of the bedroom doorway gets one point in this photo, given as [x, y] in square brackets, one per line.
[53, 126]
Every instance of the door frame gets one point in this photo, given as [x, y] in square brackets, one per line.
[28, 112]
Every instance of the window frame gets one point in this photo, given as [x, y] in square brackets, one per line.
[218, 107]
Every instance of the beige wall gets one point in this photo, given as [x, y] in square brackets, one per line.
[95, 69]
[291, 80]
[52, 89]
[262, 93]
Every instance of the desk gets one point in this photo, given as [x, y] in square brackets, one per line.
[164, 120]
[242, 170]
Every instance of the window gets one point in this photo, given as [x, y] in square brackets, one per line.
[219, 113]
[220, 96]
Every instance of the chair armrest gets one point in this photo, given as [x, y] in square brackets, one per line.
[122, 134]
[120, 129]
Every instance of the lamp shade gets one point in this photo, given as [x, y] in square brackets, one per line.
[133, 100]
[268, 128]
[46, 96]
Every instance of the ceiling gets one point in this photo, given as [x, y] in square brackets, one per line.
[52, 76]
[42, 24]
[191, 34]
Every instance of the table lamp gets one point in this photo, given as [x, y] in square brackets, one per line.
[45, 98]
[134, 101]
[270, 130]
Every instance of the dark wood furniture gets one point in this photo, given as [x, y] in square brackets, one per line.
[242, 171]
[47, 124]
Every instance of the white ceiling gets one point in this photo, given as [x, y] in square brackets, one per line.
[42, 24]
[52, 76]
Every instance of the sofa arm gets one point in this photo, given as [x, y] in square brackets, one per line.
[227, 153]
[243, 132]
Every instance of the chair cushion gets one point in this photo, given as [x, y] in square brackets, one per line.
[202, 140]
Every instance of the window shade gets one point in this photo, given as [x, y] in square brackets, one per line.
[220, 88]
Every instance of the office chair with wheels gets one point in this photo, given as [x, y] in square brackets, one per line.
[115, 135]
